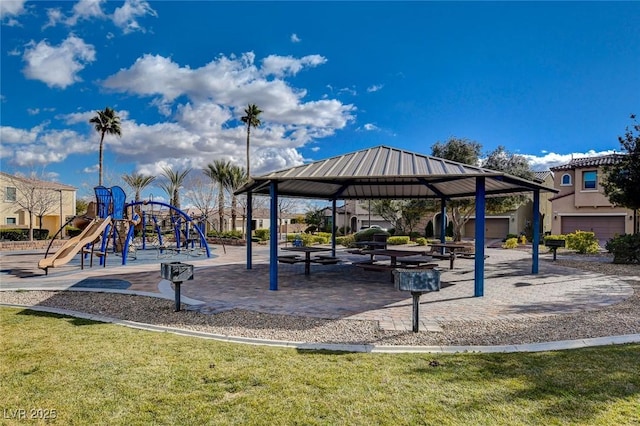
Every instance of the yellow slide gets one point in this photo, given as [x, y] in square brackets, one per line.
[65, 253]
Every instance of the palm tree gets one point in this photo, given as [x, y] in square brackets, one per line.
[218, 172]
[237, 177]
[252, 120]
[105, 122]
[173, 184]
[138, 182]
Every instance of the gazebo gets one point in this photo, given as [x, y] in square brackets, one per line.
[389, 173]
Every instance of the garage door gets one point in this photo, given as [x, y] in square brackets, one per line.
[494, 228]
[604, 227]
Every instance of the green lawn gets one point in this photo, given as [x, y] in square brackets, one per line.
[95, 373]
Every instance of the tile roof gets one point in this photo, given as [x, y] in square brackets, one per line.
[603, 160]
[38, 182]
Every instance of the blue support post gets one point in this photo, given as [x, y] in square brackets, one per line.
[249, 230]
[536, 231]
[273, 231]
[480, 224]
[333, 228]
[443, 222]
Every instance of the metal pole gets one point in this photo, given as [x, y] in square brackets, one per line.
[273, 251]
[61, 220]
[416, 310]
[480, 224]
[536, 232]
[176, 285]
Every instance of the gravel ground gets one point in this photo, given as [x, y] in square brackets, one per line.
[623, 318]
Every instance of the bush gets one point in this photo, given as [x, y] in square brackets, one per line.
[421, 241]
[311, 229]
[72, 231]
[346, 241]
[510, 236]
[582, 242]
[14, 234]
[262, 233]
[413, 235]
[399, 240]
[428, 231]
[625, 248]
[511, 243]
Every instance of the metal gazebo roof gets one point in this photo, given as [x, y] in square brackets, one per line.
[385, 172]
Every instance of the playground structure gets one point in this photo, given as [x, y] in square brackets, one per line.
[129, 228]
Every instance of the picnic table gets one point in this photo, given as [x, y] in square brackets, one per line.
[448, 251]
[307, 257]
[420, 262]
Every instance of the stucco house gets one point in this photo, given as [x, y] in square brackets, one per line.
[581, 203]
[54, 202]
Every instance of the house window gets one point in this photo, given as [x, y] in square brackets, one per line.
[589, 179]
[566, 179]
[10, 194]
[11, 221]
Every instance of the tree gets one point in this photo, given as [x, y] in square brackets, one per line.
[201, 194]
[218, 172]
[251, 120]
[621, 181]
[504, 161]
[175, 180]
[138, 182]
[33, 196]
[105, 122]
[235, 179]
[462, 151]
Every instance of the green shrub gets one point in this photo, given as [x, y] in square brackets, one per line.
[346, 241]
[625, 248]
[399, 240]
[326, 235]
[262, 233]
[320, 239]
[421, 241]
[554, 237]
[21, 234]
[582, 242]
[511, 243]
[344, 230]
[428, 231]
[510, 236]
[14, 234]
[413, 235]
[72, 231]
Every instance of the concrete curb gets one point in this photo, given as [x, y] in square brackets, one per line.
[529, 347]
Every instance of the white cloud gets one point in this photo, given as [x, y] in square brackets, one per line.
[33, 111]
[204, 106]
[281, 66]
[295, 38]
[55, 16]
[552, 159]
[86, 10]
[10, 9]
[370, 127]
[57, 66]
[126, 16]
[375, 88]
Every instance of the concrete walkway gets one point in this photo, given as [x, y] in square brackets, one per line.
[345, 292]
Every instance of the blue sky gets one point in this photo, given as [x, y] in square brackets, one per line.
[547, 80]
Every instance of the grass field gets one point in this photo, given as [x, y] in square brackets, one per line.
[95, 373]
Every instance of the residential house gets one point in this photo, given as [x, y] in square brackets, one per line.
[519, 220]
[581, 203]
[54, 202]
